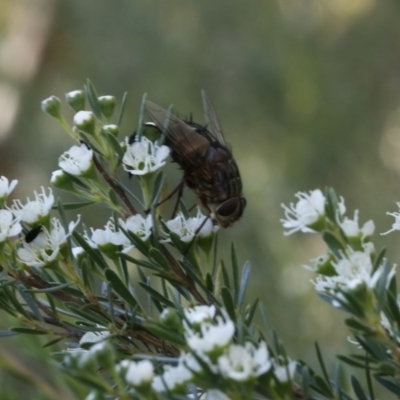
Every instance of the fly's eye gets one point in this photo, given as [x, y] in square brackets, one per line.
[228, 207]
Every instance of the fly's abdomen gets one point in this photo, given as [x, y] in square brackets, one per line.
[218, 178]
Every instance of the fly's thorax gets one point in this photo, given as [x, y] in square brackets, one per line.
[218, 155]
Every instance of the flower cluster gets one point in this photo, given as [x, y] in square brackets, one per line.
[44, 237]
[350, 260]
[85, 285]
[211, 350]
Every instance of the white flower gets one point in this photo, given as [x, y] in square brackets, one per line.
[212, 336]
[102, 238]
[138, 225]
[353, 269]
[242, 363]
[9, 225]
[284, 373]
[351, 229]
[6, 187]
[81, 118]
[186, 229]
[46, 246]
[199, 314]
[139, 373]
[77, 160]
[143, 157]
[214, 394]
[172, 378]
[396, 223]
[307, 211]
[93, 337]
[35, 210]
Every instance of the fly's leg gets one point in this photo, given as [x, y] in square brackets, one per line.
[179, 189]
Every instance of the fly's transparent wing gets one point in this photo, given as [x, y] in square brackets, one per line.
[182, 138]
[213, 125]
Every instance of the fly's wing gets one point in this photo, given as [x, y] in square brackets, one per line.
[213, 125]
[189, 145]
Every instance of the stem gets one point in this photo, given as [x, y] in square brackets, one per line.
[114, 185]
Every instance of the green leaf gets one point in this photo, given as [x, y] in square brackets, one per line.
[323, 368]
[51, 342]
[93, 253]
[113, 196]
[359, 326]
[358, 389]
[338, 381]
[93, 98]
[243, 282]
[235, 272]
[30, 302]
[165, 334]
[209, 283]
[390, 385]
[394, 311]
[322, 387]
[331, 204]
[351, 361]
[379, 258]
[122, 109]
[50, 289]
[120, 288]
[225, 275]
[75, 206]
[156, 295]
[228, 302]
[383, 284]
[11, 298]
[369, 381]
[141, 116]
[28, 331]
[7, 283]
[8, 333]
[136, 241]
[114, 143]
[158, 187]
[251, 312]
[333, 243]
[158, 257]
[373, 348]
[142, 263]
[91, 380]
[305, 382]
[87, 314]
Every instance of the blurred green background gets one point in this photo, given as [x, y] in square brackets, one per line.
[307, 91]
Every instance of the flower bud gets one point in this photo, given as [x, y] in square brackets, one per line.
[171, 318]
[85, 121]
[107, 105]
[111, 128]
[76, 99]
[104, 354]
[61, 180]
[139, 374]
[52, 106]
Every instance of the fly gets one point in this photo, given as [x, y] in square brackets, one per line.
[209, 168]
